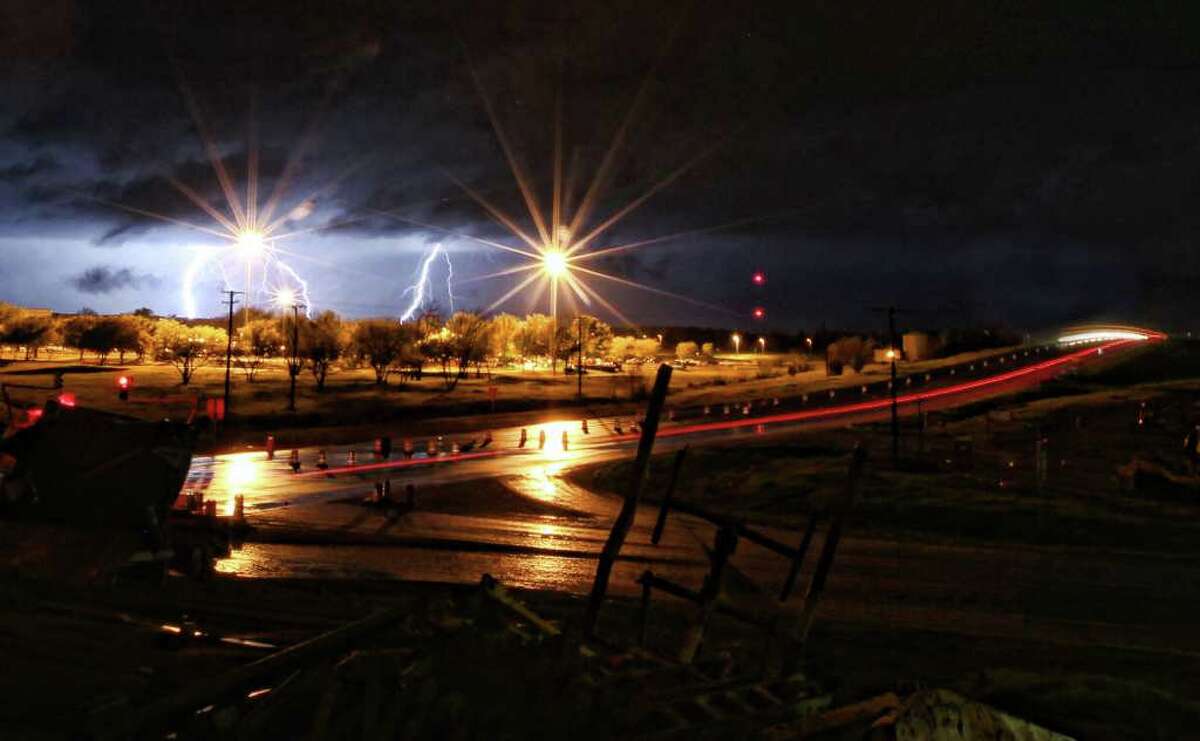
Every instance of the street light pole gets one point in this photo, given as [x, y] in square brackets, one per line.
[294, 366]
[229, 344]
[553, 345]
[895, 411]
[893, 352]
[579, 364]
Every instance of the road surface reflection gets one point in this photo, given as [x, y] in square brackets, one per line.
[546, 532]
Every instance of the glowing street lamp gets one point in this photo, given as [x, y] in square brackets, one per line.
[555, 266]
[737, 342]
[285, 298]
[251, 243]
[762, 344]
[554, 263]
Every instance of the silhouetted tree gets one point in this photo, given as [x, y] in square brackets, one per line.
[321, 342]
[27, 330]
[187, 348]
[380, 343]
[258, 340]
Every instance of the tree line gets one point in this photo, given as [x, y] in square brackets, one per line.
[451, 346]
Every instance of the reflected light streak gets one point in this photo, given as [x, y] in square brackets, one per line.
[240, 474]
[554, 450]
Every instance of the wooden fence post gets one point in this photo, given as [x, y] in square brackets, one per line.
[798, 560]
[723, 548]
[624, 521]
[666, 503]
[799, 635]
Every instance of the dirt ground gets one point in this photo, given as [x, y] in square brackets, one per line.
[76, 660]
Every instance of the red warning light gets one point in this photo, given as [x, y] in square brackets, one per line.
[760, 312]
[123, 382]
[66, 399]
[123, 385]
[759, 278]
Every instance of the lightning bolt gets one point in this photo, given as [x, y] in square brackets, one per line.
[193, 271]
[422, 287]
[304, 299]
[274, 269]
[449, 279]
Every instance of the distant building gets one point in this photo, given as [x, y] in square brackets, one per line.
[920, 345]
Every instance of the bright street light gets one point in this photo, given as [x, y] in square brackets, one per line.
[737, 342]
[554, 262]
[762, 344]
[285, 298]
[250, 242]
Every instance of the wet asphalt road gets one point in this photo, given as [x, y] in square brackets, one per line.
[1069, 597]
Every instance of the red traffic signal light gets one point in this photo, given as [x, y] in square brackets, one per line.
[759, 278]
[124, 383]
[759, 312]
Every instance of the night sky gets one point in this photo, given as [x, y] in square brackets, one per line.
[1025, 163]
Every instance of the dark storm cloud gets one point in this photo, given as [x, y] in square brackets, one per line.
[21, 171]
[904, 136]
[101, 279]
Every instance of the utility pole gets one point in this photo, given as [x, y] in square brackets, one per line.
[892, 354]
[294, 366]
[579, 365]
[229, 344]
[895, 411]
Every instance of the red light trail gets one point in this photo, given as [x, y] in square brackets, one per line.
[799, 416]
[880, 404]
